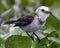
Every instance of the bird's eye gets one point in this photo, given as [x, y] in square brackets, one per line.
[42, 10]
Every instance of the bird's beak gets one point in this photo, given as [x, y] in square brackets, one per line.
[48, 12]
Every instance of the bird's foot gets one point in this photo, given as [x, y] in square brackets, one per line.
[33, 37]
[30, 36]
[38, 40]
[37, 37]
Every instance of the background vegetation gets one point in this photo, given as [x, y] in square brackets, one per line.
[11, 37]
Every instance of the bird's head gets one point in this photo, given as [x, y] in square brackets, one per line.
[43, 12]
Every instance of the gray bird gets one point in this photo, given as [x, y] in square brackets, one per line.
[32, 21]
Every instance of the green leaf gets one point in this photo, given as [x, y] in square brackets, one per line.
[58, 34]
[49, 30]
[41, 46]
[7, 14]
[24, 3]
[42, 43]
[16, 31]
[53, 22]
[56, 12]
[54, 39]
[53, 34]
[1, 43]
[48, 2]
[1, 6]
[17, 41]
[10, 2]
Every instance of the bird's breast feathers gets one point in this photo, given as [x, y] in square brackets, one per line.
[34, 26]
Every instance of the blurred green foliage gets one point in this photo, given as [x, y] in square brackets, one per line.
[15, 37]
[10, 2]
[24, 3]
[1, 6]
[18, 41]
[48, 2]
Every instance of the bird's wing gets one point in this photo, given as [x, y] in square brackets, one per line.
[25, 20]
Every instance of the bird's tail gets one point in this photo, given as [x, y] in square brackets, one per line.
[10, 22]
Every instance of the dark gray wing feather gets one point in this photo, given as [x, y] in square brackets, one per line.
[25, 20]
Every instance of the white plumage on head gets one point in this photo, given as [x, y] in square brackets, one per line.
[42, 12]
